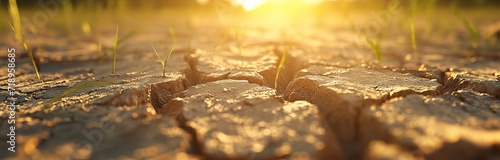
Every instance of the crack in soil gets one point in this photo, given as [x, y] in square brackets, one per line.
[345, 120]
[195, 77]
[290, 68]
[194, 143]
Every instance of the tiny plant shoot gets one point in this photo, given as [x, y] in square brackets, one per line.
[159, 59]
[412, 26]
[173, 35]
[375, 46]
[117, 44]
[470, 27]
[33, 62]
[280, 66]
[74, 89]
[115, 48]
[164, 62]
[17, 27]
[16, 18]
[68, 12]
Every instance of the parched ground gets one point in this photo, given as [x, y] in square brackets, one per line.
[333, 99]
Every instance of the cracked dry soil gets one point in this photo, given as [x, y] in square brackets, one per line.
[216, 104]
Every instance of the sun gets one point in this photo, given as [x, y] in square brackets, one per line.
[250, 4]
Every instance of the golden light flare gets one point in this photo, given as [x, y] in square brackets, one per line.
[250, 5]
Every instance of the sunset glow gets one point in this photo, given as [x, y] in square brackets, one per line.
[250, 4]
[250, 79]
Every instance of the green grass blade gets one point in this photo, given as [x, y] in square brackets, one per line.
[32, 58]
[169, 54]
[17, 27]
[470, 27]
[173, 35]
[127, 37]
[412, 26]
[16, 20]
[68, 12]
[473, 31]
[375, 46]
[280, 66]
[157, 55]
[413, 36]
[164, 63]
[74, 89]
[166, 60]
[174, 38]
[115, 48]
[11, 26]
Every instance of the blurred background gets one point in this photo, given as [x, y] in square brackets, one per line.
[201, 3]
[393, 23]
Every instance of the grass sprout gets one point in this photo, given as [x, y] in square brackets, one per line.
[68, 12]
[74, 89]
[375, 46]
[16, 18]
[32, 58]
[164, 62]
[413, 36]
[173, 35]
[11, 26]
[118, 42]
[280, 66]
[470, 27]
[412, 26]
[115, 48]
[17, 27]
